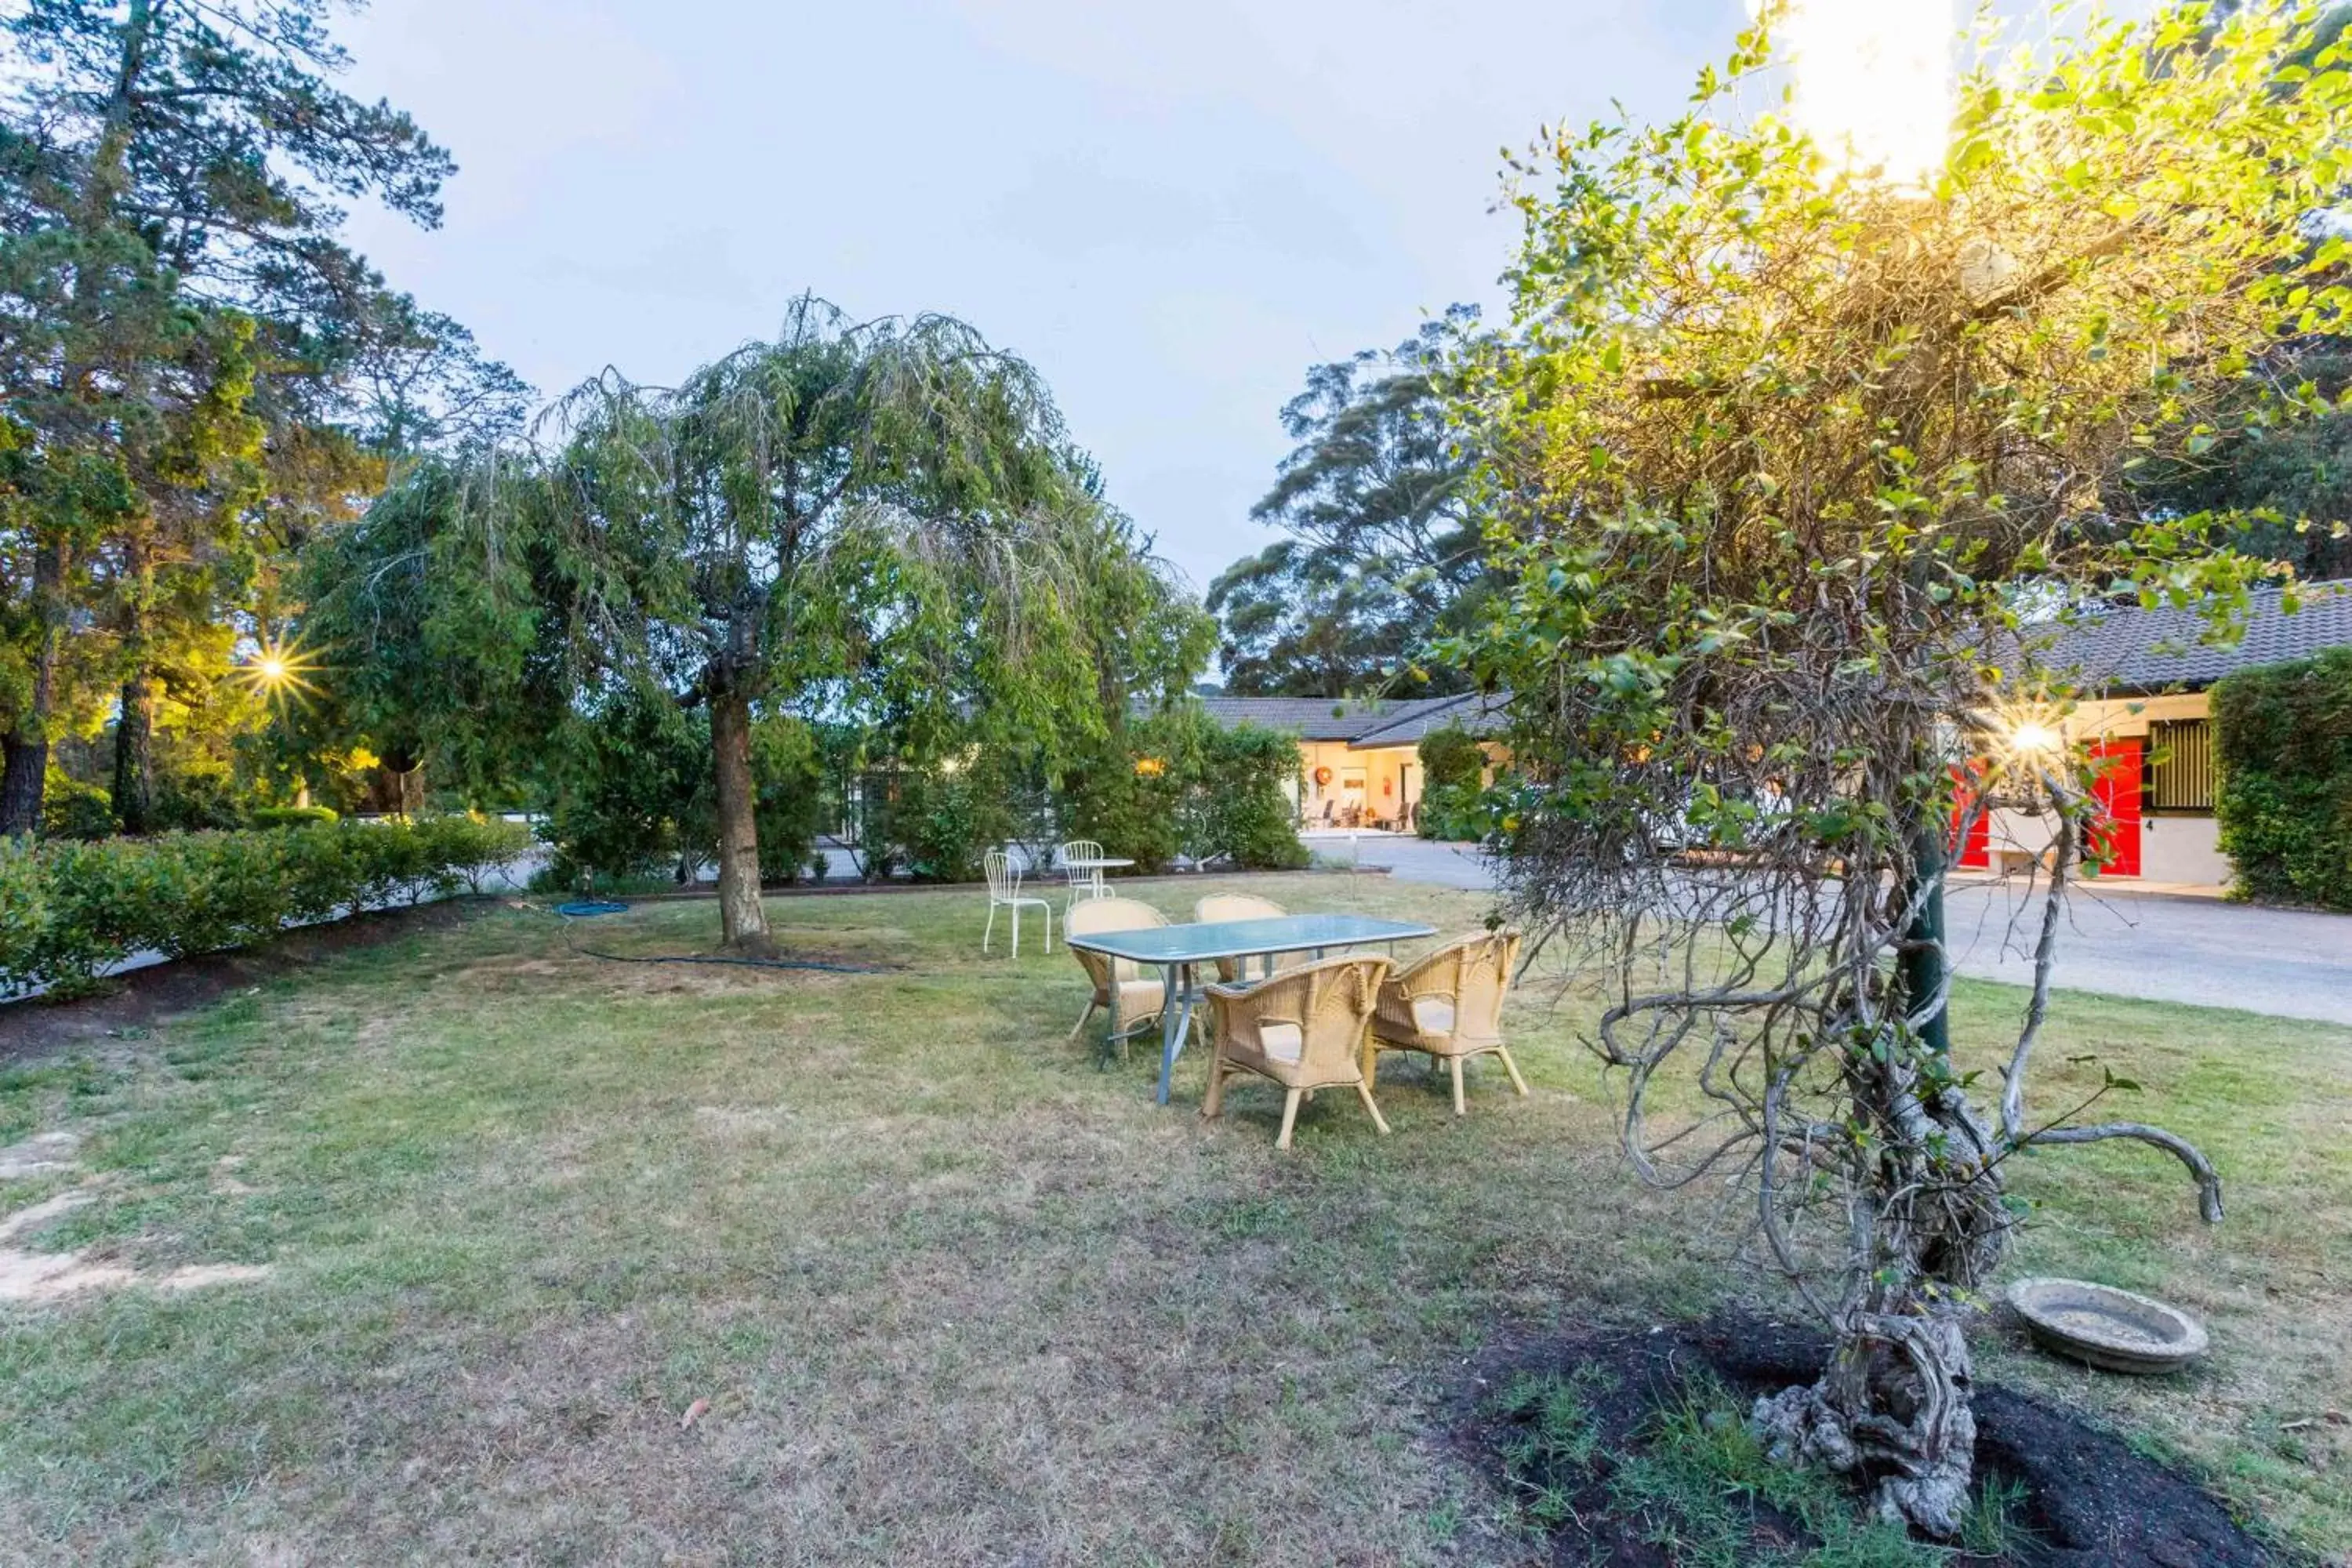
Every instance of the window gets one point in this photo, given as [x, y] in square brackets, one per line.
[2181, 766]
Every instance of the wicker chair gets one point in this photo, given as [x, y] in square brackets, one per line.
[1220, 907]
[1449, 1006]
[1121, 987]
[1304, 1029]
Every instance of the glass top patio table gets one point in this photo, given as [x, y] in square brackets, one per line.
[1177, 949]
[1201, 942]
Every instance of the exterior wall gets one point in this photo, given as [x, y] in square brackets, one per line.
[1391, 776]
[2186, 849]
[1383, 777]
[2180, 847]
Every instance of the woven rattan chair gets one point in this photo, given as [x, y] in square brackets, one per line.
[1304, 1029]
[1449, 1006]
[1220, 907]
[1122, 987]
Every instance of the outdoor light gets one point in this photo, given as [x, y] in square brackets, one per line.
[1149, 768]
[1873, 82]
[2032, 738]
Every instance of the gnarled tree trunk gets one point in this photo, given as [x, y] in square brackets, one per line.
[1927, 1225]
[743, 922]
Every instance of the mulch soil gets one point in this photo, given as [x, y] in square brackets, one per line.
[2089, 1500]
[138, 1000]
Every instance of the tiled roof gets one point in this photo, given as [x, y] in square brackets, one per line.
[1315, 718]
[2130, 650]
[1474, 712]
[1364, 724]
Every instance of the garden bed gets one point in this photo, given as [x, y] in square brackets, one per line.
[1628, 1448]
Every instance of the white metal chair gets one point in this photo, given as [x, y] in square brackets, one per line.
[1004, 892]
[1085, 883]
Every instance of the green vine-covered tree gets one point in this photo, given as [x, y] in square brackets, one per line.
[1786, 454]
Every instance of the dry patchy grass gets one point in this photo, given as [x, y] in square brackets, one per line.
[954, 1293]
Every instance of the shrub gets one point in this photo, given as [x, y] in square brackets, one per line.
[1127, 814]
[2283, 746]
[790, 804]
[24, 907]
[1453, 802]
[942, 823]
[289, 816]
[72, 809]
[1242, 810]
[468, 848]
[71, 910]
[1202, 791]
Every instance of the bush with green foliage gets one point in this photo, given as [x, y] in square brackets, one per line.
[72, 809]
[1452, 798]
[290, 815]
[1178, 784]
[791, 810]
[1241, 809]
[2283, 744]
[71, 910]
[941, 821]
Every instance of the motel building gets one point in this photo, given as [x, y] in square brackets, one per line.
[1358, 761]
[2150, 730]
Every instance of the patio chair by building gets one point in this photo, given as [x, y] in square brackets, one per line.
[1122, 988]
[1085, 882]
[1304, 1029]
[1220, 907]
[1004, 892]
[1449, 1006]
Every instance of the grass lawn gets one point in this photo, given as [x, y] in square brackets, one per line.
[951, 1293]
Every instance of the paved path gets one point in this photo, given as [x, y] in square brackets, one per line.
[2286, 963]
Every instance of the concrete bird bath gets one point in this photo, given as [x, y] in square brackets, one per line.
[2113, 1330]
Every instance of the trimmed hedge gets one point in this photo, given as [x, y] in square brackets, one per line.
[71, 910]
[2283, 745]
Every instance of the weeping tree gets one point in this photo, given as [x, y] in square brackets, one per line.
[1793, 457]
[857, 514]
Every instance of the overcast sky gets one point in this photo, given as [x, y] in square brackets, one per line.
[1171, 209]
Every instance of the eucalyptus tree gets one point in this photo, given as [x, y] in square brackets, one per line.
[1785, 452]
[177, 319]
[1382, 549]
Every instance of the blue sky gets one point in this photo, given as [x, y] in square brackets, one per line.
[1171, 209]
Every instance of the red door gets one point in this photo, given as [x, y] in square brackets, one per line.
[1977, 851]
[2112, 841]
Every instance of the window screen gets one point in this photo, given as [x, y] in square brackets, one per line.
[2181, 770]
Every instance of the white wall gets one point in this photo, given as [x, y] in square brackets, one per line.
[2183, 849]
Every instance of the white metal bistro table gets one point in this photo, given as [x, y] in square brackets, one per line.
[1178, 951]
[1098, 863]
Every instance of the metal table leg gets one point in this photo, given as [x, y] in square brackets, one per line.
[1177, 1018]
